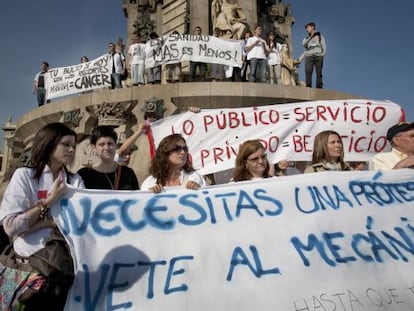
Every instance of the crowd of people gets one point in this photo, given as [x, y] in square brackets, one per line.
[36, 267]
[264, 60]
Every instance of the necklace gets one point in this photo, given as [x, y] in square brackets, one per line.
[109, 180]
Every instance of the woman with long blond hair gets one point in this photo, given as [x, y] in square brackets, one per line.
[328, 153]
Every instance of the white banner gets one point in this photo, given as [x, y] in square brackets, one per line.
[74, 79]
[208, 49]
[322, 241]
[287, 131]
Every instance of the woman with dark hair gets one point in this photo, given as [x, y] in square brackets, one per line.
[106, 173]
[274, 60]
[251, 162]
[328, 153]
[38, 259]
[171, 166]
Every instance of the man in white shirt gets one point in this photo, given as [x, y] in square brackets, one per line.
[257, 52]
[39, 87]
[401, 137]
[118, 66]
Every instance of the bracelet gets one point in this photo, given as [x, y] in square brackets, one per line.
[44, 209]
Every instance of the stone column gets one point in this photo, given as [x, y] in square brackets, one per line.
[8, 135]
[250, 10]
[199, 15]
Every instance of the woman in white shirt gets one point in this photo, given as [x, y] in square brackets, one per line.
[273, 59]
[24, 214]
[171, 166]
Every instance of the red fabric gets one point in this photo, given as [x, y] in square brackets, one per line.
[402, 118]
[151, 142]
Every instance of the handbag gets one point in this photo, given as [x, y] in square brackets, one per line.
[20, 284]
[124, 74]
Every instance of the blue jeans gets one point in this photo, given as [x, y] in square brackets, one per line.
[41, 96]
[258, 70]
[116, 81]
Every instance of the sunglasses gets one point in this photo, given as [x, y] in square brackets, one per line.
[179, 148]
[255, 159]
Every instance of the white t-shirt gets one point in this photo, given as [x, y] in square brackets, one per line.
[258, 51]
[274, 55]
[151, 181]
[22, 193]
[116, 59]
[137, 53]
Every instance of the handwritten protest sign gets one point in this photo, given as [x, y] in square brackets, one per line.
[287, 131]
[207, 49]
[74, 79]
[341, 241]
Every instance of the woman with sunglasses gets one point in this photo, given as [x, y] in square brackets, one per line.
[251, 162]
[171, 167]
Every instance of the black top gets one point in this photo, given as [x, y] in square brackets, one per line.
[97, 180]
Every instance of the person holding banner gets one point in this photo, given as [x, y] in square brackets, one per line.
[171, 166]
[107, 174]
[36, 271]
[118, 66]
[328, 153]
[401, 137]
[202, 67]
[153, 46]
[173, 70]
[251, 162]
[216, 70]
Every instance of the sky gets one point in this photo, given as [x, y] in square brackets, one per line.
[370, 44]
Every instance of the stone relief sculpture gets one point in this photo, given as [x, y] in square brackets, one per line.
[288, 72]
[281, 15]
[228, 16]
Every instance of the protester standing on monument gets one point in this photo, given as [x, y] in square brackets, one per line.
[171, 166]
[106, 173]
[84, 59]
[118, 66]
[136, 52]
[315, 47]
[251, 162]
[216, 70]
[246, 62]
[236, 74]
[153, 45]
[42, 270]
[401, 137]
[328, 153]
[202, 67]
[257, 52]
[39, 87]
[173, 70]
[274, 60]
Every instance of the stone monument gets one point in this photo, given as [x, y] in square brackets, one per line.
[125, 108]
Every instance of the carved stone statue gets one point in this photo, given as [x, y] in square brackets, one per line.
[281, 15]
[228, 16]
[288, 70]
